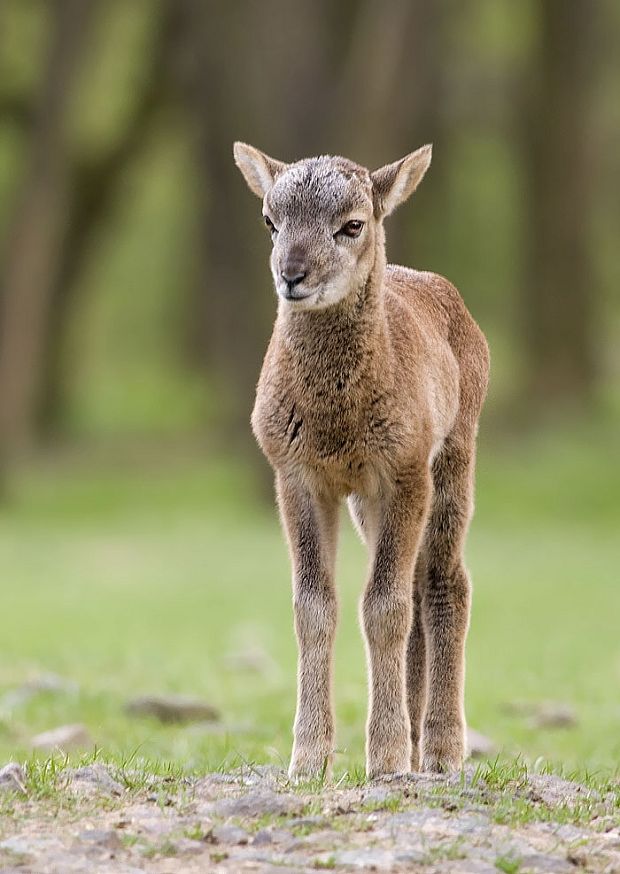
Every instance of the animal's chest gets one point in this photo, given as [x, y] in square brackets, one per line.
[342, 440]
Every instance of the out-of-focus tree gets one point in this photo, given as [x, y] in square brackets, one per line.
[559, 295]
[32, 256]
[507, 211]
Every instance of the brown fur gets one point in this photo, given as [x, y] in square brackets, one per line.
[371, 390]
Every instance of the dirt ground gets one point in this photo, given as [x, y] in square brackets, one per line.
[254, 820]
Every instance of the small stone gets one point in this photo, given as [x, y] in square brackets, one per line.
[411, 857]
[172, 708]
[312, 822]
[262, 838]
[538, 863]
[64, 738]
[93, 779]
[106, 838]
[555, 791]
[261, 803]
[229, 834]
[553, 714]
[42, 683]
[480, 746]
[380, 795]
[544, 714]
[29, 845]
[185, 846]
[252, 660]
[12, 778]
[372, 857]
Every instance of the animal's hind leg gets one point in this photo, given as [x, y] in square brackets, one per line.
[416, 664]
[446, 604]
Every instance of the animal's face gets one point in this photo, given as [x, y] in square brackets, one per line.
[320, 216]
[323, 215]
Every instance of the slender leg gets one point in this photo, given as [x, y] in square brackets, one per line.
[386, 618]
[311, 527]
[446, 607]
[416, 663]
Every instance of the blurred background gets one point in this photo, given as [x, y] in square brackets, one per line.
[139, 545]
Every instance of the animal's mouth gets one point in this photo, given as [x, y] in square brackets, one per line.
[298, 295]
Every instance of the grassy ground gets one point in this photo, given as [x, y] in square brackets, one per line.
[143, 578]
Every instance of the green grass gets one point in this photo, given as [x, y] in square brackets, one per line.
[142, 577]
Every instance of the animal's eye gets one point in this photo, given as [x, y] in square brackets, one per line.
[351, 229]
[270, 225]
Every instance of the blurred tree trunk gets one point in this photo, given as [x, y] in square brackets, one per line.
[228, 324]
[94, 187]
[380, 118]
[31, 261]
[559, 292]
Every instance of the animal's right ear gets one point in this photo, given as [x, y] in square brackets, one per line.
[259, 170]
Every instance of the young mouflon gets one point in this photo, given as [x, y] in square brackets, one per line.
[371, 390]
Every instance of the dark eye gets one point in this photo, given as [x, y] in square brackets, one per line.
[351, 229]
[270, 225]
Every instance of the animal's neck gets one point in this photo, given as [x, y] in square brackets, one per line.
[339, 345]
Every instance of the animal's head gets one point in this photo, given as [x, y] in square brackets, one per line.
[325, 216]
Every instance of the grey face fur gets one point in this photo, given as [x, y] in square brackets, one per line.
[312, 206]
[324, 215]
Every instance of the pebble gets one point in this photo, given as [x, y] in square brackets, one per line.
[172, 708]
[259, 803]
[229, 834]
[12, 778]
[93, 779]
[107, 838]
[479, 746]
[64, 738]
[47, 683]
[371, 858]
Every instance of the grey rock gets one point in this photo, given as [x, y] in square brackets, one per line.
[12, 778]
[259, 803]
[172, 708]
[372, 858]
[262, 838]
[93, 779]
[65, 738]
[106, 838]
[552, 791]
[229, 834]
[186, 846]
[251, 660]
[308, 822]
[29, 845]
[553, 714]
[480, 746]
[378, 795]
[544, 714]
[411, 857]
[43, 683]
[539, 863]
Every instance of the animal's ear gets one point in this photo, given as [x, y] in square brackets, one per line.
[259, 170]
[394, 183]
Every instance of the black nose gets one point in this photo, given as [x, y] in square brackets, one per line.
[292, 278]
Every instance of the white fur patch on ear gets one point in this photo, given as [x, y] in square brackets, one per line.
[258, 169]
[394, 183]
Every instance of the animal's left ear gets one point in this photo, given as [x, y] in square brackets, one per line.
[395, 182]
[259, 170]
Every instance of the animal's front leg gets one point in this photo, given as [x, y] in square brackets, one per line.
[311, 527]
[386, 619]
